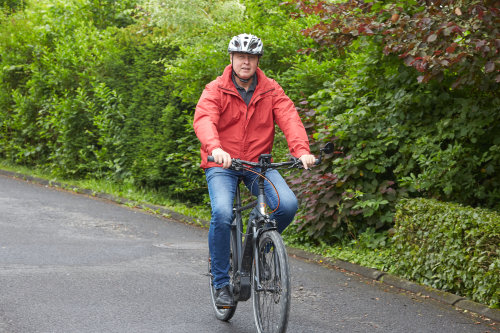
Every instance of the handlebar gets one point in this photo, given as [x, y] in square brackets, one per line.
[265, 162]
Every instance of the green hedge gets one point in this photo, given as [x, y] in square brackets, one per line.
[449, 247]
[84, 94]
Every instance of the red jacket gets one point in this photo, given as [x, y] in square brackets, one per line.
[223, 120]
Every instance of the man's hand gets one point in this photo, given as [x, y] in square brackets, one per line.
[221, 157]
[307, 161]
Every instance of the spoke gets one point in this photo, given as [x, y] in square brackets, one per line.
[269, 297]
[271, 302]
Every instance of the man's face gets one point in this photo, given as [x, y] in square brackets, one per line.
[244, 64]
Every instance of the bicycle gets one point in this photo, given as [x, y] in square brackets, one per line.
[258, 258]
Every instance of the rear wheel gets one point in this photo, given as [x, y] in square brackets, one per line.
[224, 314]
[271, 302]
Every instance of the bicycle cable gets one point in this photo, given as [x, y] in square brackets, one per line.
[270, 182]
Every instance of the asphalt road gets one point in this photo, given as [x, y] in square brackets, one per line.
[70, 263]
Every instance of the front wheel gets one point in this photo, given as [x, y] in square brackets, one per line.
[271, 300]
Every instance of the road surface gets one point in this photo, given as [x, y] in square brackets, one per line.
[71, 263]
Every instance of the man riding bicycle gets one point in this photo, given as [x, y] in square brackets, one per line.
[235, 118]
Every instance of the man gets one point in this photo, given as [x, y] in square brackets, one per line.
[235, 118]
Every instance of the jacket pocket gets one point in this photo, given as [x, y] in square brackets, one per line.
[231, 111]
[263, 114]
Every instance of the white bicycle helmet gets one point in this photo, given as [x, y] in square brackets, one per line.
[246, 43]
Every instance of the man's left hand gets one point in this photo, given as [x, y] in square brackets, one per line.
[307, 161]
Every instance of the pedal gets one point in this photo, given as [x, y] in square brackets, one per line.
[224, 307]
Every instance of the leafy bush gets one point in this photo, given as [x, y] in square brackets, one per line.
[356, 187]
[395, 137]
[449, 247]
[50, 101]
[153, 119]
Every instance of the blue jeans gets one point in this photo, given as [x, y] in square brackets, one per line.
[222, 189]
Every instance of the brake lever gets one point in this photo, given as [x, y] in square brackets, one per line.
[297, 163]
[236, 165]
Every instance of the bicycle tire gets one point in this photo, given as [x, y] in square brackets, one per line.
[227, 313]
[272, 304]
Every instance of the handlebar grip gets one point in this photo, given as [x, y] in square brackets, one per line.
[317, 161]
[210, 158]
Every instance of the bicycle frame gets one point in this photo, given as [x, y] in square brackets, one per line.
[260, 249]
[247, 250]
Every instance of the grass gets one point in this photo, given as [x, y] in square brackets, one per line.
[369, 249]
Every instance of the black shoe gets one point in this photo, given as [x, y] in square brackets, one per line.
[224, 297]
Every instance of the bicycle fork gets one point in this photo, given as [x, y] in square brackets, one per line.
[255, 246]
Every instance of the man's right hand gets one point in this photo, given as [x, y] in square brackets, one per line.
[221, 157]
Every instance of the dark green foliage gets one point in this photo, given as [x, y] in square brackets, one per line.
[86, 102]
[153, 118]
[50, 100]
[449, 247]
[356, 187]
[11, 5]
[395, 136]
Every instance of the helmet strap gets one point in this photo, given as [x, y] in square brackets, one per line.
[239, 78]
